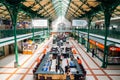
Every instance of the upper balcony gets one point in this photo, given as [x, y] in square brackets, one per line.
[112, 33]
[7, 36]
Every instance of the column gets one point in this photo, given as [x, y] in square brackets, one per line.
[33, 37]
[13, 13]
[107, 14]
[88, 30]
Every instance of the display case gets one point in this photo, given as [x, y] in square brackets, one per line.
[29, 47]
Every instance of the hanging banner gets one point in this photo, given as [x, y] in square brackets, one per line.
[39, 23]
[79, 23]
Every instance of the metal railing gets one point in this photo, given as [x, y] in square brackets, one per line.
[112, 33]
[10, 33]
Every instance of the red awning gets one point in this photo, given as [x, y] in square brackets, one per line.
[97, 44]
[113, 48]
[100, 45]
[92, 42]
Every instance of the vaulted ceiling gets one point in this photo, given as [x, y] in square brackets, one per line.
[51, 9]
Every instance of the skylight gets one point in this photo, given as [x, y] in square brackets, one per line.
[61, 6]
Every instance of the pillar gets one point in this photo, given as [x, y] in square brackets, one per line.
[88, 31]
[33, 29]
[78, 35]
[13, 13]
[107, 14]
[33, 37]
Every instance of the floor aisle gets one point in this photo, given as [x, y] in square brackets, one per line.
[27, 63]
[93, 66]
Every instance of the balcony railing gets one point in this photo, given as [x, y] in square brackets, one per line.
[10, 33]
[112, 33]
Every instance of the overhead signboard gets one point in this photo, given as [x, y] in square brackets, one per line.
[39, 23]
[77, 22]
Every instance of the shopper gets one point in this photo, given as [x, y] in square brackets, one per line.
[68, 75]
[77, 76]
[66, 68]
[93, 53]
[79, 61]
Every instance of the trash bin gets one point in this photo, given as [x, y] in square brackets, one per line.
[15, 65]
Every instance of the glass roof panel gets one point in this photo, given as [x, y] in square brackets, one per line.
[61, 6]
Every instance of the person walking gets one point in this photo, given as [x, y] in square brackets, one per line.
[79, 61]
[66, 68]
[93, 53]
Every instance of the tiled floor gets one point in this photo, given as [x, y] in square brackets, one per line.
[93, 66]
[27, 63]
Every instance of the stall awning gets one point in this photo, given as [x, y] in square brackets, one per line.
[113, 48]
[97, 44]
[101, 41]
[100, 45]
[92, 42]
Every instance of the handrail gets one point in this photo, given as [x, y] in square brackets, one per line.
[112, 33]
[10, 32]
